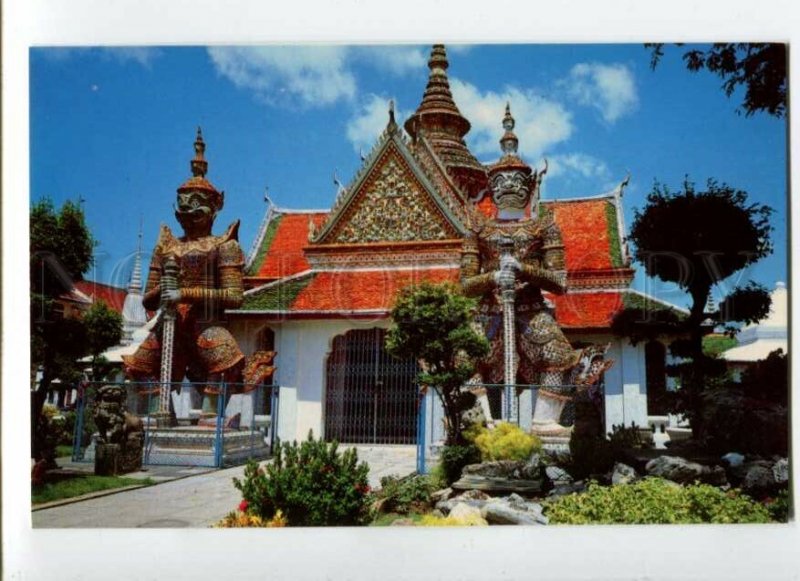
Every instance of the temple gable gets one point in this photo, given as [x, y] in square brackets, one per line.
[393, 201]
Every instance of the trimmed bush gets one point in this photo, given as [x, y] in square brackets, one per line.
[312, 484]
[506, 442]
[778, 507]
[453, 459]
[655, 501]
[404, 495]
[590, 455]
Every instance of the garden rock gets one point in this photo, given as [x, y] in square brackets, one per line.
[442, 494]
[684, 472]
[473, 495]
[623, 474]
[567, 488]
[513, 510]
[758, 478]
[780, 471]
[558, 475]
[496, 469]
[497, 485]
[445, 506]
[466, 514]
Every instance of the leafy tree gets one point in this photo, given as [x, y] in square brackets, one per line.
[103, 329]
[697, 239]
[758, 67]
[60, 252]
[434, 324]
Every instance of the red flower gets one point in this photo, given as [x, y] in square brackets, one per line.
[362, 488]
[243, 506]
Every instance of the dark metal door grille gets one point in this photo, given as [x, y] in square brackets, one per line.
[371, 397]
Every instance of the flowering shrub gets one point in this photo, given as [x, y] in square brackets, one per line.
[655, 501]
[241, 519]
[312, 484]
[506, 442]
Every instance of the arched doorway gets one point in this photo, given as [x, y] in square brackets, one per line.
[370, 397]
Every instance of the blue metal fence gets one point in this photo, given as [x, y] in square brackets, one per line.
[210, 424]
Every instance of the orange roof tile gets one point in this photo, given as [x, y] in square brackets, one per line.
[584, 231]
[364, 290]
[112, 296]
[285, 257]
[587, 310]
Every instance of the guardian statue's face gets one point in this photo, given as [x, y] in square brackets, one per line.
[195, 211]
[511, 192]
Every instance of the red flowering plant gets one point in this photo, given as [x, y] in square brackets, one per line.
[310, 484]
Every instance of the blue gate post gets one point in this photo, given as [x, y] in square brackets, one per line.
[218, 444]
[274, 409]
[77, 436]
[147, 442]
[422, 405]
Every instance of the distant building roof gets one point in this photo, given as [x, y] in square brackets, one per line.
[113, 297]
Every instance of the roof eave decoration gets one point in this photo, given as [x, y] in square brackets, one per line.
[392, 136]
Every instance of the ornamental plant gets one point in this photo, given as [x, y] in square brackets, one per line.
[655, 501]
[405, 495]
[311, 484]
[506, 442]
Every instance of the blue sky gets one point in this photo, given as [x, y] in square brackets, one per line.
[115, 127]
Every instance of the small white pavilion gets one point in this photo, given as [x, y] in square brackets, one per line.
[759, 340]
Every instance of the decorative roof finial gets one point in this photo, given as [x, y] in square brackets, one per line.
[199, 164]
[392, 125]
[509, 142]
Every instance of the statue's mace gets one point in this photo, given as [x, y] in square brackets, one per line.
[169, 282]
[508, 294]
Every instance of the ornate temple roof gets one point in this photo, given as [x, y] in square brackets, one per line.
[438, 119]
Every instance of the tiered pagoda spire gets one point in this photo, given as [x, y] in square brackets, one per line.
[199, 167]
[134, 315]
[439, 120]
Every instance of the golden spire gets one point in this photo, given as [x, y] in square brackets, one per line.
[443, 125]
[199, 164]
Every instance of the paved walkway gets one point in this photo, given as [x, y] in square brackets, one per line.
[195, 501]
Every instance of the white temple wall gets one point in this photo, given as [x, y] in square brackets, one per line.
[302, 352]
[625, 382]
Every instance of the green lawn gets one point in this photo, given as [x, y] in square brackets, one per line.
[70, 486]
[63, 450]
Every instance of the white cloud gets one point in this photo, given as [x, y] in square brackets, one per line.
[316, 75]
[370, 120]
[610, 89]
[398, 60]
[143, 55]
[540, 122]
[587, 166]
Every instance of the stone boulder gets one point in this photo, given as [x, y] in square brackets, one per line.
[623, 474]
[501, 477]
[474, 498]
[758, 478]
[465, 514]
[513, 510]
[557, 475]
[442, 494]
[683, 471]
[780, 471]
[567, 488]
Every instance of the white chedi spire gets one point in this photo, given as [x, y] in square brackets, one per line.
[134, 315]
